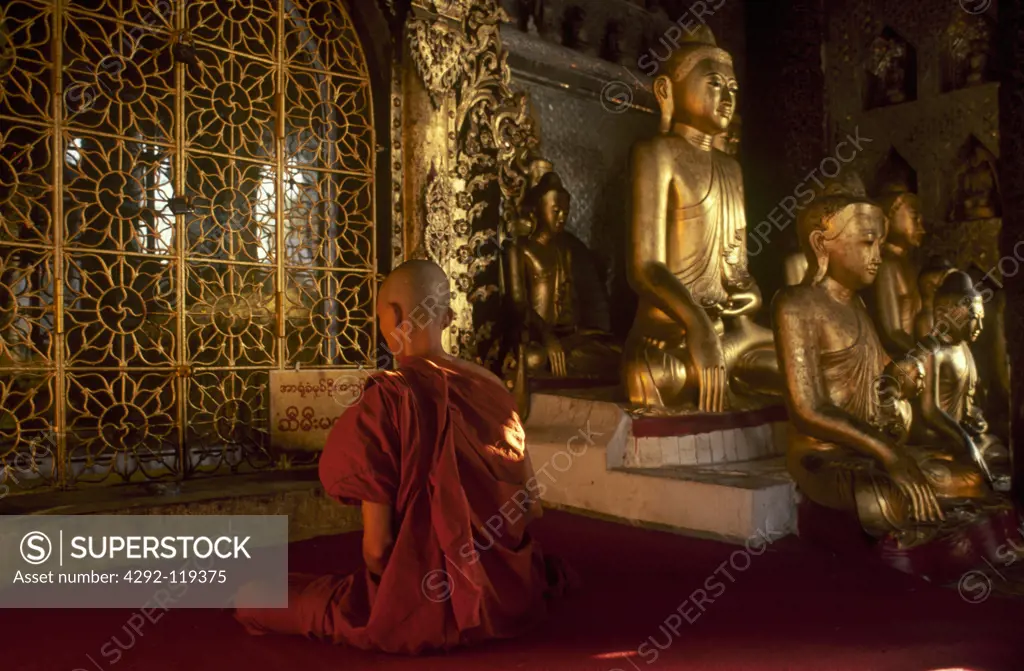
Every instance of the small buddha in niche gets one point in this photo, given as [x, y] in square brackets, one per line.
[530, 17]
[541, 282]
[977, 62]
[833, 360]
[947, 412]
[888, 64]
[612, 48]
[693, 337]
[574, 32]
[897, 299]
[978, 188]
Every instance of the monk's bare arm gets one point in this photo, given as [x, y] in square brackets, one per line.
[811, 411]
[887, 290]
[647, 256]
[378, 535]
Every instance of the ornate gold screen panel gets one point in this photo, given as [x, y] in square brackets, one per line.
[186, 202]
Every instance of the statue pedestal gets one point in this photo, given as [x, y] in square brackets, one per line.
[592, 456]
[701, 440]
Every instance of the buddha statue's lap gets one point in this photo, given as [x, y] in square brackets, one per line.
[693, 334]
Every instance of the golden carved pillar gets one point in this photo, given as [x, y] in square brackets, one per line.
[464, 132]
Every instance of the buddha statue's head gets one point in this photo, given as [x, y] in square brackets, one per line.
[697, 86]
[903, 212]
[842, 239]
[959, 308]
[932, 276]
[904, 378]
[548, 202]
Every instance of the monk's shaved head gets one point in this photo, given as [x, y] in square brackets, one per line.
[414, 306]
[415, 282]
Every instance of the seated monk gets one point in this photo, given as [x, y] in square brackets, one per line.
[432, 452]
[947, 414]
[833, 361]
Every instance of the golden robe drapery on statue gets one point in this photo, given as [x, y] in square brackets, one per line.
[712, 234]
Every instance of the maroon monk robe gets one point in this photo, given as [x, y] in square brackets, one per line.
[445, 448]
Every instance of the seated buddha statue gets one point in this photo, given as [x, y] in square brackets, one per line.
[895, 297]
[542, 280]
[693, 338]
[977, 187]
[901, 383]
[946, 413]
[832, 361]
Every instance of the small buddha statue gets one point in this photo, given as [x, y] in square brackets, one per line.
[896, 297]
[693, 337]
[540, 262]
[947, 413]
[888, 62]
[977, 186]
[832, 361]
[976, 62]
[612, 45]
[530, 17]
[901, 383]
[574, 31]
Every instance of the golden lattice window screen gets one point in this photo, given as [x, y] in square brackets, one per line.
[186, 203]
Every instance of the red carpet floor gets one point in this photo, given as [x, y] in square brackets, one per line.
[793, 608]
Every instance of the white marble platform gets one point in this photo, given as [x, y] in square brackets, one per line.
[586, 458]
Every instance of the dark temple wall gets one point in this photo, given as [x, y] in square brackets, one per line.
[1010, 44]
[784, 126]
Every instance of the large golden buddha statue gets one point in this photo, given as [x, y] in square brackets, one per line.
[693, 334]
[833, 362]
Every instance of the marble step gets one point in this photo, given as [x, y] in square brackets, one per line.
[721, 446]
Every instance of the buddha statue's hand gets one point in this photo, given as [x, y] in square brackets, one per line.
[556, 355]
[975, 424]
[976, 455]
[742, 303]
[705, 348]
[907, 476]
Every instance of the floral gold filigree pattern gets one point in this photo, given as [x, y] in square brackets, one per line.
[197, 211]
[438, 50]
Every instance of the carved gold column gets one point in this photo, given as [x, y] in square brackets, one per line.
[464, 133]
